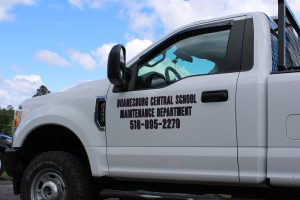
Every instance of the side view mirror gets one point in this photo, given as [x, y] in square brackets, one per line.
[117, 72]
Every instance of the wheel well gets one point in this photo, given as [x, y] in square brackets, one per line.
[53, 138]
[2, 149]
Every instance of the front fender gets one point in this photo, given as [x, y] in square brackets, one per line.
[81, 124]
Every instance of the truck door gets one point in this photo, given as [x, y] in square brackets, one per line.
[177, 120]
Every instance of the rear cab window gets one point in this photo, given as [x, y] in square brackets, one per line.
[292, 44]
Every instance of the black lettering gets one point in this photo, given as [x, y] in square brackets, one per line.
[137, 113]
[132, 102]
[186, 99]
[122, 115]
[171, 112]
[153, 112]
[170, 100]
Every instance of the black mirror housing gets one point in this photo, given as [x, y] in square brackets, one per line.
[117, 72]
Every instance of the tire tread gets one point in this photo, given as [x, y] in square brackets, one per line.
[81, 179]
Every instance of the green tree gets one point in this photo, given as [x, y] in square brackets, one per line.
[6, 119]
[43, 90]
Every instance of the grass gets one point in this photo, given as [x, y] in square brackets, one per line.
[5, 177]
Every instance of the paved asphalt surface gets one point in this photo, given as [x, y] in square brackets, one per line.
[6, 191]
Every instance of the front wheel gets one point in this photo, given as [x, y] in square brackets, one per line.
[56, 175]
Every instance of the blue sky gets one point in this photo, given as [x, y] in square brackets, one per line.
[64, 42]
[60, 28]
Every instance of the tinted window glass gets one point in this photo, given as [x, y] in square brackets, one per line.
[197, 55]
[292, 45]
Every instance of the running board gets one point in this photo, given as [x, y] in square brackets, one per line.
[144, 195]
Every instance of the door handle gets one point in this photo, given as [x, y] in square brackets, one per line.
[214, 96]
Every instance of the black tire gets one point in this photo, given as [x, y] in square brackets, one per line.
[2, 167]
[64, 170]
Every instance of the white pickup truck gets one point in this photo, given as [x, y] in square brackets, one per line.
[216, 102]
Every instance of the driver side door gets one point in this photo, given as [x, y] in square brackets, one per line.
[177, 120]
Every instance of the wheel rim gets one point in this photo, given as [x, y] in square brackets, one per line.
[48, 185]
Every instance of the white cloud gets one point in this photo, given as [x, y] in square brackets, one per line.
[101, 53]
[7, 5]
[52, 58]
[145, 18]
[84, 59]
[24, 84]
[98, 57]
[5, 99]
[20, 87]
[95, 4]
[175, 13]
[141, 21]
[295, 6]
[76, 3]
[133, 47]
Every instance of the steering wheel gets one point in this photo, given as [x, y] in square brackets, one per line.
[167, 73]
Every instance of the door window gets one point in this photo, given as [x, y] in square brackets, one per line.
[197, 55]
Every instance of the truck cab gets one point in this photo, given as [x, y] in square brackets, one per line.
[181, 104]
[214, 102]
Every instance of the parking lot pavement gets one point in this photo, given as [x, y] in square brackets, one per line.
[6, 191]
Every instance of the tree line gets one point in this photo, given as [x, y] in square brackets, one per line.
[6, 119]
